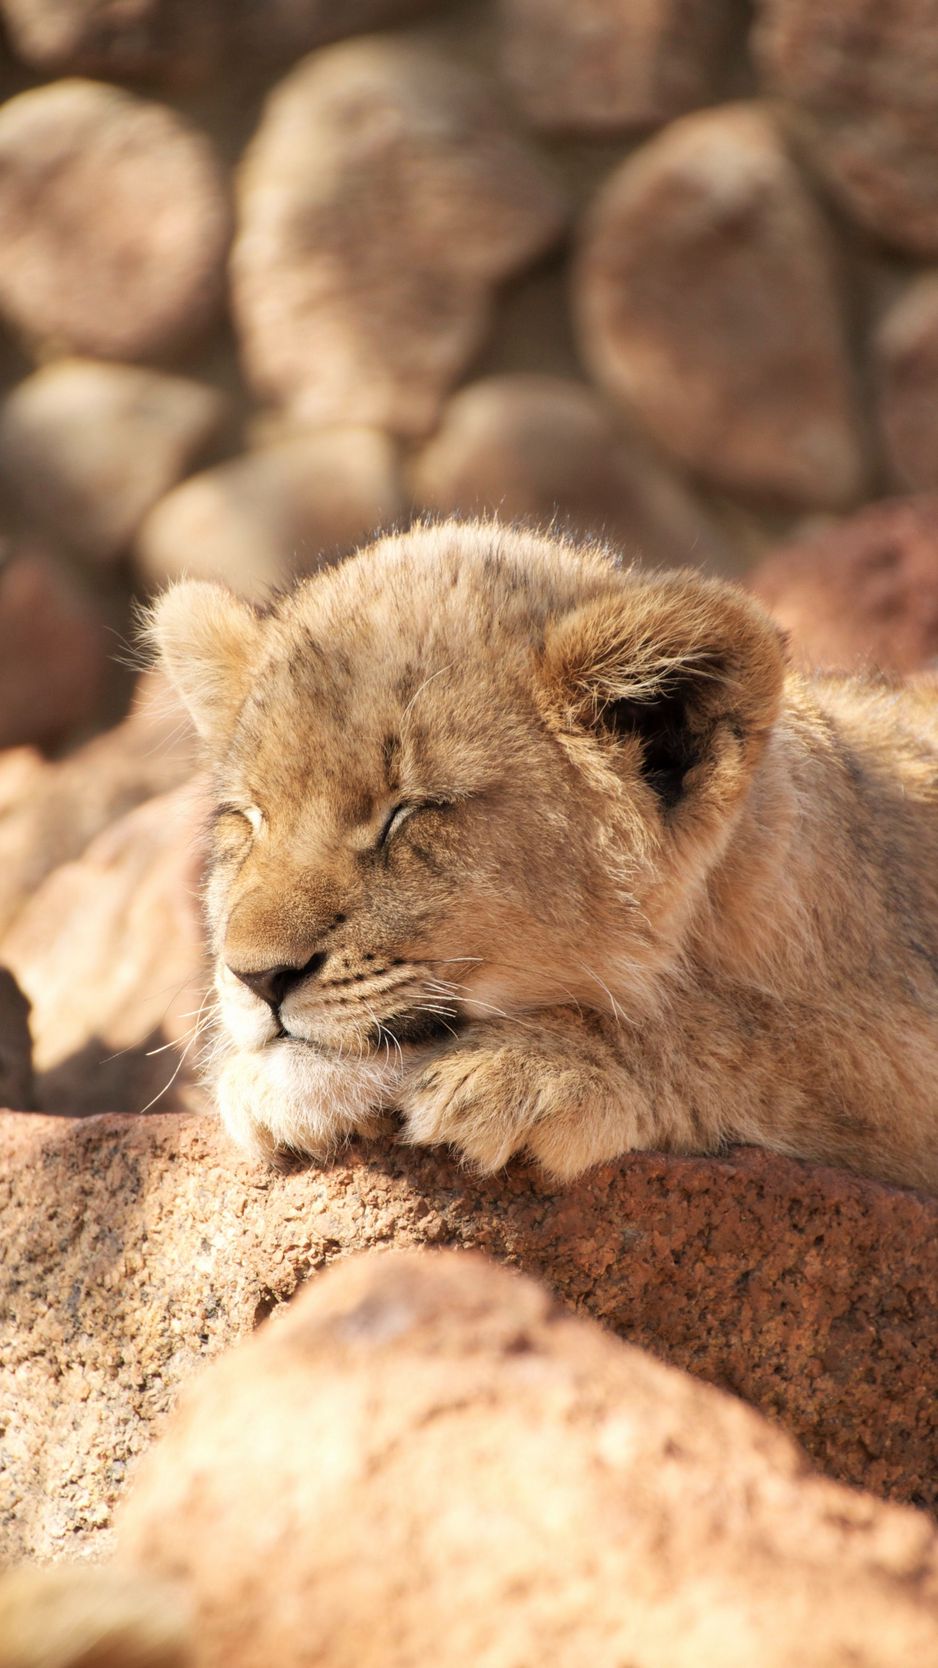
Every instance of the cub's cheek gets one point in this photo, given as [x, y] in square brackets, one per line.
[247, 1020]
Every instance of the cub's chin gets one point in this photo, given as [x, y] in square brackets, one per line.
[286, 1098]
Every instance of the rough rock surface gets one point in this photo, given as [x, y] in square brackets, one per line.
[381, 200]
[742, 371]
[114, 222]
[108, 953]
[179, 40]
[54, 652]
[135, 1247]
[545, 449]
[861, 76]
[598, 67]
[862, 593]
[906, 363]
[269, 515]
[556, 1496]
[50, 812]
[87, 449]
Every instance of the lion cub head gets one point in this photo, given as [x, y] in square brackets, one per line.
[466, 772]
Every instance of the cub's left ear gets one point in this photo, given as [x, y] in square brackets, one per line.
[206, 640]
[679, 675]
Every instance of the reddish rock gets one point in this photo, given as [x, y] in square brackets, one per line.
[862, 593]
[546, 450]
[706, 304]
[861, 78]
[273, 514]
[108, 952]
[55, 659]
[114, 222]
[906, 365]
[49, 813]
[381, 201]
[87, 449]
[599, 67]
[555, 1496]
[135, 1247]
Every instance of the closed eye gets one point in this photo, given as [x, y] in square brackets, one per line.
[393, 822]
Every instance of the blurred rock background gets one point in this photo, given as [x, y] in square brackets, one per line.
[273, 275]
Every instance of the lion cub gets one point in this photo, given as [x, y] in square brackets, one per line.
[552, 857]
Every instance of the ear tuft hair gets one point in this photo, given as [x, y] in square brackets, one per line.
[206, 640]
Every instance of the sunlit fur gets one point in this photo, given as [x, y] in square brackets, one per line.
[649, 889]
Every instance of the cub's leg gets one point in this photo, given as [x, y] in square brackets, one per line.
[549, 1084]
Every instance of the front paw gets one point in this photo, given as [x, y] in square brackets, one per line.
[470, 1099]
[287, 1101]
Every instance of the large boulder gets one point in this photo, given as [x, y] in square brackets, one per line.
[429, 1459]
[270, 515]
[547, 450]
[706, 303]
[86, 449]
[381, 200]
[136, 1247]
[862, 593]
[55, 659]
[114, 222]
[860, 78]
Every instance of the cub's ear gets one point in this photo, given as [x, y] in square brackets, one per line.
[683, 675]
[206, 640]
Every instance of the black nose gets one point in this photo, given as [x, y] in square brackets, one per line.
[273, 984]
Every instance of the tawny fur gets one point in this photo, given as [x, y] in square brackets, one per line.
[646, 888]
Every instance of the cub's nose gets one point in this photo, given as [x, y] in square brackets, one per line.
[273, 984]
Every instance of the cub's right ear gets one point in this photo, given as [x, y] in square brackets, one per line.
[206, 641]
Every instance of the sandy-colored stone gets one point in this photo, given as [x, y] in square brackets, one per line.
[862, 593]
[270, 515]
[861, 79]
[135, 1247]
[706, 304]
[906, 366]
[49, 813]
[86, 449]
[428, 1441]
[382, 199]
[54, 652]
[546, 450]
[114, 222]
[108, 952]
[600, 67]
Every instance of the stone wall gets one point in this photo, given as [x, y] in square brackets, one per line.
[663, 272]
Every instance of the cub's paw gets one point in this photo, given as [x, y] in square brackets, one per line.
[490, 1100]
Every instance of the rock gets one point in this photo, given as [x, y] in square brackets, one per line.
[381, 200]
[108, 952]
[861, 79]
[599, 67]
[136, 1247]
[906, 367]
[54, 668]
[179, 41]
[49, 813]
[114, 222]
[545, 449]
[554, 1495]
[742, 372]
[87, 449]
[861, 593]
[74, 1616]
[270, 515]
